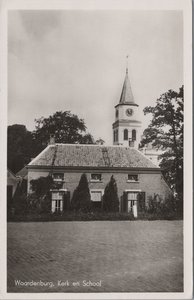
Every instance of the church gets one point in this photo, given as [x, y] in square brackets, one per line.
[137, 177]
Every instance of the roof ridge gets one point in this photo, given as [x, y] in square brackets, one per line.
[93, 145]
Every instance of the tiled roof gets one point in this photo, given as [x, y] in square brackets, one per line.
[73, 155]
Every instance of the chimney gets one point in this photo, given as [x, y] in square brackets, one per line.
[52, 139]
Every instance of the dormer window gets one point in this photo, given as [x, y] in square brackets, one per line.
[96, 177]
[133, 178]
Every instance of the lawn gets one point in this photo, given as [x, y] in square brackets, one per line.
[98, 256]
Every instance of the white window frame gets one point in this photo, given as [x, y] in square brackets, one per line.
[54, 201]
[96, 190]
[133, 190]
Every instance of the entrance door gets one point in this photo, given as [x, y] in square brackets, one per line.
[132, 203]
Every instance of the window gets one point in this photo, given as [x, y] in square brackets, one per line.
[132, 196]
[125, 134]
[114, 137]
[96, 177]
[58, 176]
[132, 178]
[57, 195]
[96, 198]
[58, 179]
[57, 201]
[133, 135]
[57, 205]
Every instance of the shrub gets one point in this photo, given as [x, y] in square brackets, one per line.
[42, 185]
[40, 199]
[19, 198]
[160, 208]
[74, 216]
[110, 198]
[38, 204]
[81, 200]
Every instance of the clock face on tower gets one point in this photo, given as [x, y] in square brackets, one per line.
[129, 112]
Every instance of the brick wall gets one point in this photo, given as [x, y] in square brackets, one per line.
[150, 183]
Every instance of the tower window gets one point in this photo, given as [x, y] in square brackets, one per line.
[133, 135]
[117, 113]
[116, 135]
[125, 134]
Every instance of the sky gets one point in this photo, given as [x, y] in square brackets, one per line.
[62, 60]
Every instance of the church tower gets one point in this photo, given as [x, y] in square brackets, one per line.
[126, 128]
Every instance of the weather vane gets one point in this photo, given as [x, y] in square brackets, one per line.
[127, 63]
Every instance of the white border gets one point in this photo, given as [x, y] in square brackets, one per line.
[186, 6]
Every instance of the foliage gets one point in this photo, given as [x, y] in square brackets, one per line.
[81, 200]
[19, 198]
[38, 204]
[42, 185]
[165, 132]
[163, 207]
[74, 216]
[40, 199]
[24, 145]
[21, 147]
[99, 141]
[64, 126]
[110, 197]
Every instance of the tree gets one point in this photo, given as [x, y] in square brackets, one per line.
[21, 147]
[110, 197]
[165, 132]
[81, 200]
[65, 127]
[24, 145]
[19, 198]
[40, 198]
[99, 141]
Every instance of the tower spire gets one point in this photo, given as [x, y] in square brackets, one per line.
[127, 63]
[126, 94]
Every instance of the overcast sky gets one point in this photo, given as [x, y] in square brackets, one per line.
[76, 60]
